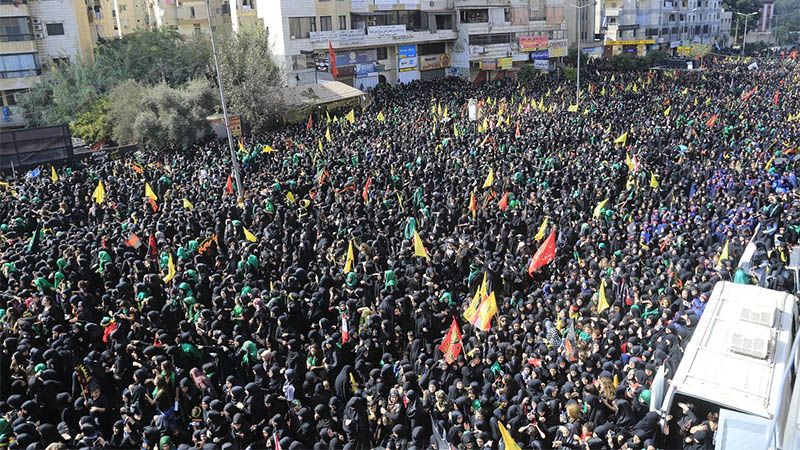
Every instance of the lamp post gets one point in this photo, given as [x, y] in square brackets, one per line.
[579, 20]
[234, 160]
[744, 35]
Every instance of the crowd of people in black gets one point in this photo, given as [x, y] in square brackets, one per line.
[299, 314]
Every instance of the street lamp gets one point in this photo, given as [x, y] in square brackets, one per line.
[744, 37]
[234, 161]
[579, 20]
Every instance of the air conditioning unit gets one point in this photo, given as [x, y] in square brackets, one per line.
[38, 35]
[752, 346]
[36, 20]
[37, 27]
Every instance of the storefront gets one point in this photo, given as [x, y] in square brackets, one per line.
[433, 66]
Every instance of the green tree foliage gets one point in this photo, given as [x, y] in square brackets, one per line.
[92, 125]
[160, 116]
[251, 77]
[788, 12]
[149, 57]
[743, 7]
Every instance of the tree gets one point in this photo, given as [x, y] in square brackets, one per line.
[92, 125]
[160, 115]
[743, 7]
[152, 56]
[251, 76]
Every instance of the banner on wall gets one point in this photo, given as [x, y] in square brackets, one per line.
[488, 64]
[431, 62]
[407, 58]
[557, 48]
[505, 63]
[531, 43]
[356, 57]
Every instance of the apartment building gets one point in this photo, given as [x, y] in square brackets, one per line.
[190, 17]
[36, 35]
[637, 26]
[391, 41]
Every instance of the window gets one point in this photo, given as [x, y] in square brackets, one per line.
[191, 12]
[123, 7]
[652, 32]
[13, 29]
[612, 20]
[19, 65]
[55, 29]
[383, 53]
[444, 22]
[11, 96]
[506, 14]
[474, 15]
[431, 49]
[300, 27]
[342, 22]
[325, 23]
[197, 31]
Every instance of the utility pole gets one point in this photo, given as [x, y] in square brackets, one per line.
[234, 160]
[744, 35]
[578, 18]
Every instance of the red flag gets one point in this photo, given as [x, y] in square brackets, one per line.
[545, 254]
[748, 94]
[133, 241]
[345, 330]
[712, 120]
[151, 244]
[503, 204]
[310, 122]
[365, 192]
[451, 345]
[152, 204]
[775, 99]
[516, 132]
[229, 185]
[332, 58]
[276, 443]
[793, 55]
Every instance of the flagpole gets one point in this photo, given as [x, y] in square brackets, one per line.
[234, 160]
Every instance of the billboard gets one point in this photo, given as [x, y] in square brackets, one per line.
[505, 63]
[349, 58]
[407, 58]
[488, 64]
[531, 43]
[431, 62]
[557, 48]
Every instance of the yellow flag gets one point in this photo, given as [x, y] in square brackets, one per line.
[724, 255]
[148, 192]
[542, 228]
[419, 249]
[267, 149]
[348, 264]
[653, 180]
[602, 302]
[572, 108]
[603, 91]
[290, 197]
[622, 138]
[487, 310]
[489, 179]
[599, 208]
[327, 117]
[170, 270]
[351, 117]
[469, 313]
[99, 194]
[445, 112]
[353, 383]
[381, 117]
[439, 109]
[328, 135]
[708, 101]
[187, 204]
[485, 125]
[53, 174]
[508, 441]
[668, 110]
[455, 130]
[319, 144]
[769, 163]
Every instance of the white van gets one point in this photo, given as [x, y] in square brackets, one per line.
[740, 362]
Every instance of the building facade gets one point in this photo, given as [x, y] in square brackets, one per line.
[34, 37]
[637, 26]
[391, 41]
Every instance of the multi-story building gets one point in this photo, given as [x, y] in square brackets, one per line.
[725, 27]
[121, 17]
[190, 17]
[636, 26]
[390, 41]
[35, 36]
[501, 34]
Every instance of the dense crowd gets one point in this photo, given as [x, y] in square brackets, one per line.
[147, 304]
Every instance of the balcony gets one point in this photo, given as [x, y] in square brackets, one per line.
[357, 38]
[8, 82]
[17, 43]
[362, 6]
[11, 8]
[482, 3]
[12, 117]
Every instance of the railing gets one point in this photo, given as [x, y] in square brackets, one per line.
[16, 37]
[20, 73]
